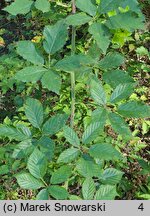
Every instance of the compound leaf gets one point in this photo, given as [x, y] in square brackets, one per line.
[88, 189]
[87, 7]
[19, 7]
[68, 155]
[97, 92]
[119, 125]
[58, 192]
[52, 81]
[37, 164]
[128, 21]
[55, 37]
[111, 60]
[121, 92]
[117, 77]
[92, 132]
[88, 168]
[111, 176]
[34, 112]
[61, 175]
[27, 181]
[78, 19]
[12, 133]
[100, 34]
[108, 5]
[74, 63]
[134, 109]
[42, 5]
[27, 50]
[71, 136]
[54, 124]
[43, 195]
[104, 151]
[106, 192]
[30, 74]
[47, 147]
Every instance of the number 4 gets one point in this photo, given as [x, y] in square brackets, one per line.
[141, 207]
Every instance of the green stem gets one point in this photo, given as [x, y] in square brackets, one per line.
[49, 60]
[72, 99]
[44, 182]
[73, 49]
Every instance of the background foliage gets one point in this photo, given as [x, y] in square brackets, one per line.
[101, 152]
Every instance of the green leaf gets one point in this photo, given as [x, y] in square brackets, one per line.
[47, 147]
[19, 7]
[54, 124]
[27, 50]
[2, 152]
[128, 21]
[88, 189]
[23, 149]
[4, 169]
[145, 165]
[43, 195]
[142, 51]
[55, 37]
[133, 5]
[37, 164]
[25, 130]
[99, 115]
[94, 51]
[88, 168]
[92, 132]
[74, 63]
[120, 37]
[144, 196]
[111, 176]
[111, 60]
[52, 81]
[78, 19]
[83, 74]
[34, 112]
[101, 36]
[121, 92]
[68, 155]
[97, 92]
[108, 5]
[71, 136]
[42, 5]
[134, 109]
[12, 133]
[27, 181]
[30, 74]
[106, 192]
[87, 7]
[61, 175]
[104, 151]
[119, 125]
[116, 77]
[58, 192]
[74, 197]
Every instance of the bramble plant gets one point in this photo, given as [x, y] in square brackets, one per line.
[88, 158]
